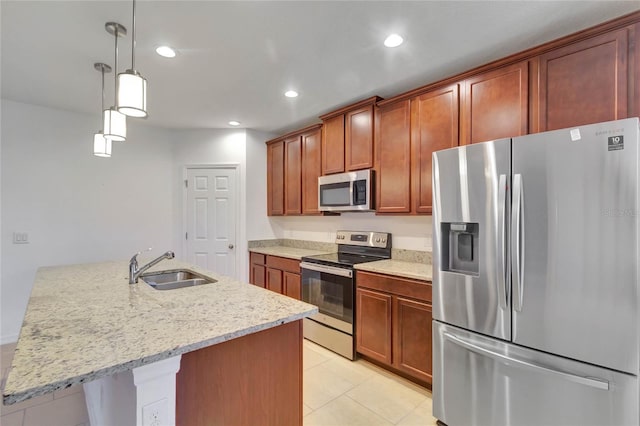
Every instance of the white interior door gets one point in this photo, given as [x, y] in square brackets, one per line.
[211, 218]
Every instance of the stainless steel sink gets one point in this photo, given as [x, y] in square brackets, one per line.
[170, 280]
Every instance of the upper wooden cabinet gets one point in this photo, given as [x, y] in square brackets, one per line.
[496, 104]
[293, 167]
[293, 176]
[333, 145]
[434, 126]
[311, 170]
[347, 142]
[407, 133]
[393, 158]
[275, 178]
[586, 82]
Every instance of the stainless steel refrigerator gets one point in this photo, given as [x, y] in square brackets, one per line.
[535, 279]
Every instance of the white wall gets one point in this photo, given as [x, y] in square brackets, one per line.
[259, 227]
[207, 147]
[408, 232]
[76, 207]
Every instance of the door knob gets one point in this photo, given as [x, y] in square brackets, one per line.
[230, 246]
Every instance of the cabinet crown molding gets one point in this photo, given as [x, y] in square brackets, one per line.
[369, 101]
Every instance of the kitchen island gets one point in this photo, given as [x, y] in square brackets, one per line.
[86, 323]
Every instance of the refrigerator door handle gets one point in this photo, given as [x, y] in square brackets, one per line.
[517, 243]
[587, 381]
[500, 242]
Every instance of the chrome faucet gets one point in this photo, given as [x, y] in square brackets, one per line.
[134, 271]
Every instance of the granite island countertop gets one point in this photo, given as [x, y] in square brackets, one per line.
[400, 268]
[86, 321]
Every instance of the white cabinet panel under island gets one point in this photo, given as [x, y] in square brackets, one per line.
[240, 345]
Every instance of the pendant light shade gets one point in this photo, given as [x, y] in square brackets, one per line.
[132, 87]
[132, 94]
[101, 145]
[114, 125]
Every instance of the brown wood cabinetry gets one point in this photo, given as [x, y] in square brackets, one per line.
[293, 176]
[250, 380]
[586, 82]
[373, 325]
[275, 273]
[311, 170]
[434, 126]
[275, 178]
[394, 323]
[407, 133]
[496, 104]
[258, 271]
[293, 167]
[393, 158]
[333, 145]
[347, 141]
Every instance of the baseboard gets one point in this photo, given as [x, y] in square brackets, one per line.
[11, 338]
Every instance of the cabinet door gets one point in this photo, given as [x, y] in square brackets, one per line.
[434, 126]
[373, 325]
[274, 280]
[358, 140]
[257, 275]
[292, 286]
[292, 176]
[585, 82]
[412, 337]
[311, 170]
[393, 159]
[496, 104]
[333, 145]
[275, 179]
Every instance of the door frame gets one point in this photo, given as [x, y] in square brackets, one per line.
[240, 239]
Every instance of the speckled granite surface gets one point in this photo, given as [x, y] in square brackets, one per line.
[316, 246]
[86, 321]
[411, 256]
[418, 271]
[288, 252]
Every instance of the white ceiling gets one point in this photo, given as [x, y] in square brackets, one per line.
[236, 59]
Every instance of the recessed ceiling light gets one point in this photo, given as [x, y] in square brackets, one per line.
[234, 123]
[394, 40]
[291, 94]
[166, 51]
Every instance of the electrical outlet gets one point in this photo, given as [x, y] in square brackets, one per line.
[20, 238]
[155, 414]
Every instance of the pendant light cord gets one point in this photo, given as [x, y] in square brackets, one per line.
[133, 38]
[102, 105]
[115, 70]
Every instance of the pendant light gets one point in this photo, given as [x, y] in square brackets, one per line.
[101, 145]
[132, 87]
[115, 122]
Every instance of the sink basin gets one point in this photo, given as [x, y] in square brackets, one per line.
[170, 280]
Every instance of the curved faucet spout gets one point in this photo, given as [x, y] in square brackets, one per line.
[135, 272]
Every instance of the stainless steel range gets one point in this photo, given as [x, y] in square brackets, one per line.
[328, 283]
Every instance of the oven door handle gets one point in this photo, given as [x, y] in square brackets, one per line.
[327, 269]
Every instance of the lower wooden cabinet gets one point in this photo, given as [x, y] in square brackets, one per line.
[393, 324]
[275, 273]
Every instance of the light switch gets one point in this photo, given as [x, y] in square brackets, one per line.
[20, 238]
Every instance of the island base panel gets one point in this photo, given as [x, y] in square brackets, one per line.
[252, 380]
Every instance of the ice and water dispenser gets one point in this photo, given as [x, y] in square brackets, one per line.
[460, 247]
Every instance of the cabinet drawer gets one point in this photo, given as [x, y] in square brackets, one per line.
[284, 264]
[257, 258]
[420, 290]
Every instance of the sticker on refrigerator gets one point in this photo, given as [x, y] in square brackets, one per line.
[615, 143]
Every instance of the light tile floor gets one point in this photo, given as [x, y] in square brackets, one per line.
[337, 392]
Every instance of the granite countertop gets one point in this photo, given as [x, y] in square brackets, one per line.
[86, 321]
[400, 268]
[286, 251]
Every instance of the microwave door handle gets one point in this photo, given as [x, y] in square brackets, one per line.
[352, 192]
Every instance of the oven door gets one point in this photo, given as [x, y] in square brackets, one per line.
[331, 290]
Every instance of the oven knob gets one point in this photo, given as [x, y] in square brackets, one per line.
[384, 240]
[378, 240]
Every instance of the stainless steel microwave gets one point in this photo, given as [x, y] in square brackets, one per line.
[351, 191]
